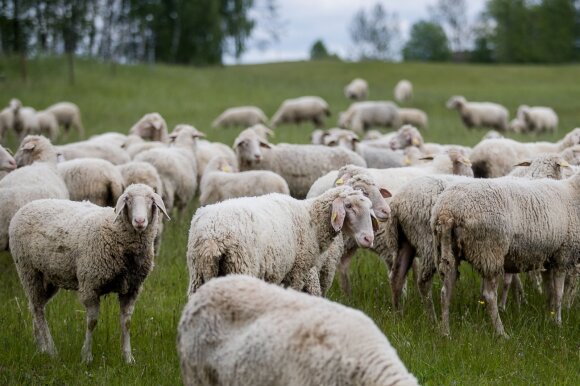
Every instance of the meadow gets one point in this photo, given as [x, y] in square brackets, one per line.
[112, 99]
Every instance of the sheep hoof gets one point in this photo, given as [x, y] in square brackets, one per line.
[87, 357]
[129, 359]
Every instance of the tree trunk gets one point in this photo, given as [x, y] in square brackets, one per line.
[71, 68]
[23, 66]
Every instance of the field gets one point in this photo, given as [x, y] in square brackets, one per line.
[112, 99]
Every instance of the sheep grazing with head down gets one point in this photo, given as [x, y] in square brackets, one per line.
[357, 89]
[415, 117]
[480, 114]
[7, 162]
[238, 330]
[303, 109]
[240, 116]
[68, 115]
[536, 119]
[403, 91]
[360, 116]
[151, 127]
[84, 247]
[274, 237]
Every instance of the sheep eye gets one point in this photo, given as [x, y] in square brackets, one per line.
[348, 206]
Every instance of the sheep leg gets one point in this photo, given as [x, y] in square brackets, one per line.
[536, 279]
[343, 268]
[547, 278]
[506, 284]
[40, 295]
[520, 293]
[92, 304]
[127, 306]
[571, 287]
[490, 296]
[559, 278]
[449, 278]
[312, 286]
[399, 271]
[424, 283]
[328, 271]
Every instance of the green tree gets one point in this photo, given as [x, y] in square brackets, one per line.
[374, 33]
[427, 42]
[318, 50]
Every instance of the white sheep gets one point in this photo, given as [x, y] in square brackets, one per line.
[68, 115]
[357, 89]
[47, 124]
[222, 181]
[362, 115]
[538, 118]
[299, 165]
[273, 237]
[102, 147]
[35, 178]
[240, 116]
[84, 247]
[113, 137]
[207, 150]
[151, 127]
[239, 330]
[415, 117]
[516, 125]
[134, 145]
[92, 179]
[7, 162]
[403, 91]
[298, 110]
[480, 114]
[6, 122]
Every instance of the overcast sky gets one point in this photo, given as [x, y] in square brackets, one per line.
[308, 20]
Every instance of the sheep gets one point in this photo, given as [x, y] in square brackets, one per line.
[415, 117]
[517, 126]
[572, 155]
[35, 178]
[403, 91]
[92, 179]
[469, 222]
[240, 116]
[47, 124]
[538, 118]
[480, 114]
[492, 134]
[299, 165]
[7, 162]
[151, 127]
[495, 157]
[6, 122]
[68, 115]
[357, 89]
[221, 181]
[176, 166]
[25, 120]
[273, 237]
[263, 131]
[240, 330]
[84, 247]
[134, 145]
[298, 110]
[362, 115]
[99, 147]
[113, 137]
[206, 150]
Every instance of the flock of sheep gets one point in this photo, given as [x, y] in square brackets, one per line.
[88, 216]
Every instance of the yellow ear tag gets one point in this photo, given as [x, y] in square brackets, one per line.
[564, 164]
[416, 141]
[407, 161]
[333, 216]
[340, 181]
[226, 169]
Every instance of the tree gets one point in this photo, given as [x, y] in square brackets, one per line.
[318, 50]
[375, 33]
[453, 15]
[427, 42]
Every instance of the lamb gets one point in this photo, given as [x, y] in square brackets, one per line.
[36, 178]
[68, 115]
[274, 237]
[362, 115]
[240, 330]
[83, 247]
[357, 89]
[6, 122]
[415, 117]
[538, 118]
[469, 223]
[176, 166]
[480, 114]
[221, 181]
[403, 91]
[92, 179]
[240, 116]
[7, 162]
[151, 127]
[100, 147]
[299, 165]
[495, 157]
[298, 110]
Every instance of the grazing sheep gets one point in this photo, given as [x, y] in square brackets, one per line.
[357, 89]
[151, 127]
[403, 91]
[176, 166]
[480, 114]
[6, 122]
[496, 157]
[299, 165]
[67, 115]
[221, 181]
[538, 118]
[362, 115]
[240, 116]
[273, 237]
[36, 178]
[415, 117]
[99, 147]
[239, 330]
[506, 225]
[92, 179]
[25, 121]
[7, 162]
[207, 150]
[84, 247]
[303, 109]
[516, 125]
[47, 124]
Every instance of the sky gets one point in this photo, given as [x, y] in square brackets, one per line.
[308, 20]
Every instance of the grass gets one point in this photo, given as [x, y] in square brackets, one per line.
[538, 351]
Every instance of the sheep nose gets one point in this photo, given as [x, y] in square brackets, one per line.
[368, 240]
[12, 163]
[258, 157]
[140, 221]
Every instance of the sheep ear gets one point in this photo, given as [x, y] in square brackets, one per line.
[563, 164]
[198, 134]
[338, 214]
[9, 151]
[238, 142]
[332, 143]
[415, 141]
[385, 193]
[523, 163]
[375, 223]
[121, 202]
[464, 160]
[29, 146]
[340, 181]
[265, 144]
[270, 132]
[158, 201]
[427, 158]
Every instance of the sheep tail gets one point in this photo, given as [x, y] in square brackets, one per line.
[206, 263]
[443, 241]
